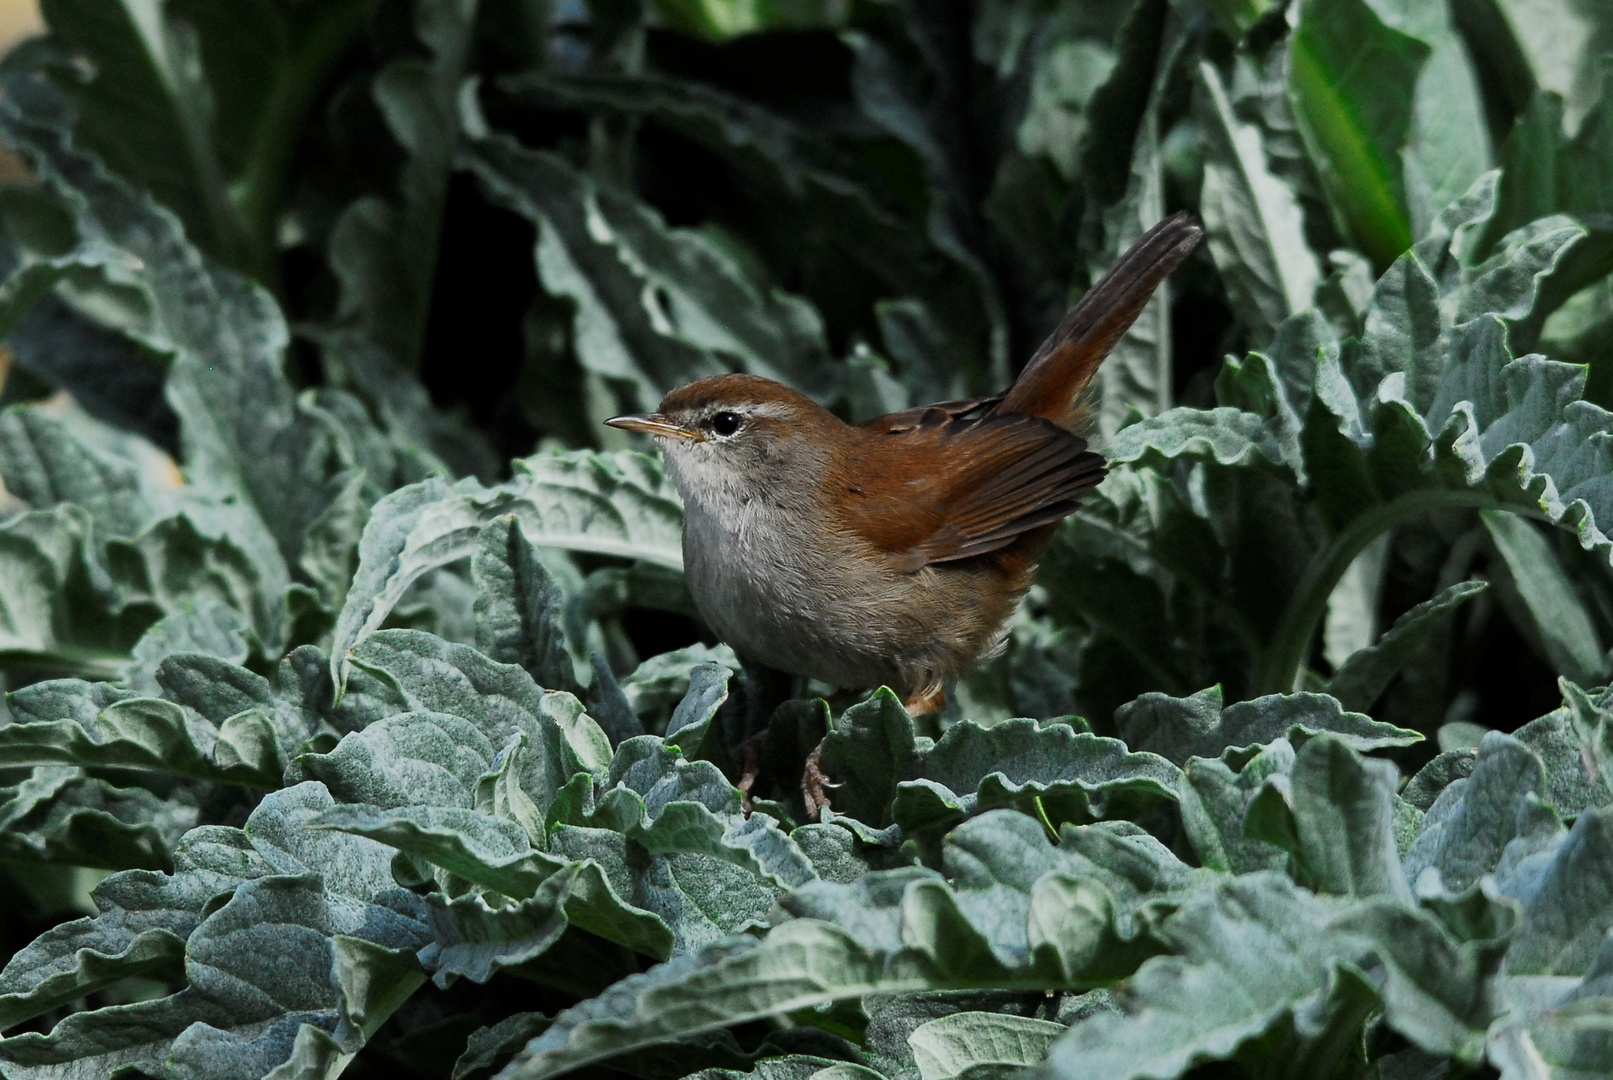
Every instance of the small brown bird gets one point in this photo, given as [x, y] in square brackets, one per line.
[892, 552]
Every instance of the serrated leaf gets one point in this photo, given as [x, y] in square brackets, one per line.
[1198, 726]
[904, 930]
[237, 1012]
[1226, 436]
[268, 464]
[424, 672]
[655, 307]
[59, 814]
[1077, 776]
[155, 736]
[518, 606]
[609, 504]
[1334, 813]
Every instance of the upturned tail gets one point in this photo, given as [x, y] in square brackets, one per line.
[1052, 383]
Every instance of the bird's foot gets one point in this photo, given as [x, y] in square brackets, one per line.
[813, 782]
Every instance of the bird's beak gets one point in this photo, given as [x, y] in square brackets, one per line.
[654, 424]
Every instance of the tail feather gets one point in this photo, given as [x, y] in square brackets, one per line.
[1053, 381]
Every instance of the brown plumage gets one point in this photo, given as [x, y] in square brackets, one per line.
[894, 551]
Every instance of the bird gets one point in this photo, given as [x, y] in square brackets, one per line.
[892, 552]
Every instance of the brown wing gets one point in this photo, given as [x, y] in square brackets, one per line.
[961, 409]
[957, 487]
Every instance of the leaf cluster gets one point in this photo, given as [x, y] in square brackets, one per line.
[358, 720]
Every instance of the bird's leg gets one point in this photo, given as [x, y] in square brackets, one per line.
[931, 699]
[750, 767]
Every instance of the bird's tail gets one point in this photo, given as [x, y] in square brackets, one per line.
[1052, 383]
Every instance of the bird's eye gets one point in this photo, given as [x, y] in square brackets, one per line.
[725, 423]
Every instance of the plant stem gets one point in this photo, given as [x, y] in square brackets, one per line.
[74, 660]
[1041, 815]
[1283, 661]
[258, 192]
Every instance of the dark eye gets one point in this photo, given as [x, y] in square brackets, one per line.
[725, 423]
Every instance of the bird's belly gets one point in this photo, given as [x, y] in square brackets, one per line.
[839, 616]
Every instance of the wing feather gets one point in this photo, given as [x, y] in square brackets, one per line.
[956, 486]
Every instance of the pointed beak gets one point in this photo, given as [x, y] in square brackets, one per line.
[654, 424]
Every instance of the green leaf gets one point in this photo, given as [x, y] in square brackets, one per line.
[268, 465]
[1567, 897]
[1215, 799]
[1571, 1042]
[157, 736]
[1449, 145]
[209, 628]
[218, 690]
[792, 161]
[427, 672]
[609, 504]
[948, 1046]
[518, 606]
[691, 720]
[278, 925]
[1181, 728]
[1334, 813]
[1366, 673]
[1573, 744]
[655, 307]
[180, 566]
[413, 758]
[550, 892]
[1253, 220]
[890, 94]
[871, 748]
[51, 610]
[1249, 958]
[59, 814]
[661, 682]
[384, 253]
[1555, 43]
[1226, 436]
[202, 109]
[1076, 776]
[1019, 917]
[46, 460]
[1137, 374]
[1467, 829]
[1557, 616]
[1352, 87]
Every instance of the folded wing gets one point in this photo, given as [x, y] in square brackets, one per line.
[983, 483]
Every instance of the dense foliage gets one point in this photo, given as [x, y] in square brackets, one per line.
[337, 740]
